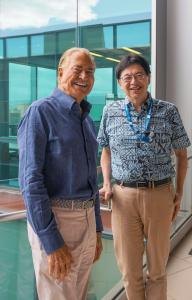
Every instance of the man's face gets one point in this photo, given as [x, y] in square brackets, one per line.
[76, 76]
[134, 82]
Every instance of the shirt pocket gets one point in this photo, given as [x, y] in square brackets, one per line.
[58, 145]
[53, 145]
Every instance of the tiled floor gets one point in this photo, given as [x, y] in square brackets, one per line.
[180, 271]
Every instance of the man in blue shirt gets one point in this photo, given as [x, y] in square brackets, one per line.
[58, 180]
[138, 136]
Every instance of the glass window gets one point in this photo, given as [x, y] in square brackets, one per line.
[92, 37]
[46, 82]
[50, 43]
[1, 48]
[120, 92]
[108, 36]
[19, 91]
[16, 47]
[3, 90]
[133, 35]
[102, 91]
[43, 44]
[66, 40]
[37, 45]
[3, 111]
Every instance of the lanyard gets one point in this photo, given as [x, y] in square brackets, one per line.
[145, 135]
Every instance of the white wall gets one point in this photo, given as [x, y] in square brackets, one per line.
[179, 58]
[179, 71]
[172, 55]
[172, 64]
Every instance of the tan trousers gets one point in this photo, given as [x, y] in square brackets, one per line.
[79, 231]
[138, 214]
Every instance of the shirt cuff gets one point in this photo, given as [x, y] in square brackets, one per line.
[51, 241]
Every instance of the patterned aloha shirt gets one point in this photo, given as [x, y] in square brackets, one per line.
[136, 160]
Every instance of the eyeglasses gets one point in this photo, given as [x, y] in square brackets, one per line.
[137, 76]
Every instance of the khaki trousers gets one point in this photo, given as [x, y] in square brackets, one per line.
[138, 214]
[79, 232]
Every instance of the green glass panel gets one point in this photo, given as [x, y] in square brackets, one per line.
[19, 91]
[3, 70]
[1, 48]
[102, 90]
[4, 90]
[105, 273]
[46, 82]
[120, 93]
[16, 269]
[37, 45]
[50, 43]
[66, 40]
[4, 129]
[133, 35]
[8, 159]
[108, 36]
[16, 47]
[92, 37]
[3, 111]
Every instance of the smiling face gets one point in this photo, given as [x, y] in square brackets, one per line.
[134, 82]
[76, 75]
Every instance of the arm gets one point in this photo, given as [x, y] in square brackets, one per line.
[181, 167]
[32, 141]
[106, 191]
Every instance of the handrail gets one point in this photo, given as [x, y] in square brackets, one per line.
[8, 179]
[10, 216]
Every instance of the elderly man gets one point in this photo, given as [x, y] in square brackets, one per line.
[137, 136]
[58, 180]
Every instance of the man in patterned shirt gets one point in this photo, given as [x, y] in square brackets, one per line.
[138, 136]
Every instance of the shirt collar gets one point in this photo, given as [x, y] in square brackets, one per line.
[144, 105]
[69, 102]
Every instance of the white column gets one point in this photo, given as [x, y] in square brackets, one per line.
[172, 65]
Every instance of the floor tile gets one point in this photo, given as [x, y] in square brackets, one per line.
[176, 265]
[180, 285]
[182, 250]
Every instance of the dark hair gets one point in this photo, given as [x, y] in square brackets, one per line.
[129, 60]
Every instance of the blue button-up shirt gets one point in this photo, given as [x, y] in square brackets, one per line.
[132, 158]
[57, 155]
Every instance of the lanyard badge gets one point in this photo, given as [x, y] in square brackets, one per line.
[145, 136]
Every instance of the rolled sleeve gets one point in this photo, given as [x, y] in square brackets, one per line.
[102, 137]
[32, 141]
[180, 139]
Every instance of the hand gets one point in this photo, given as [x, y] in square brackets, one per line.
[59, 263]
[99, 247]
[105, 193]
[177, 203]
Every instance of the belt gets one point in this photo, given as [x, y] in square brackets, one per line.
[73, 204]
[142, 184]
